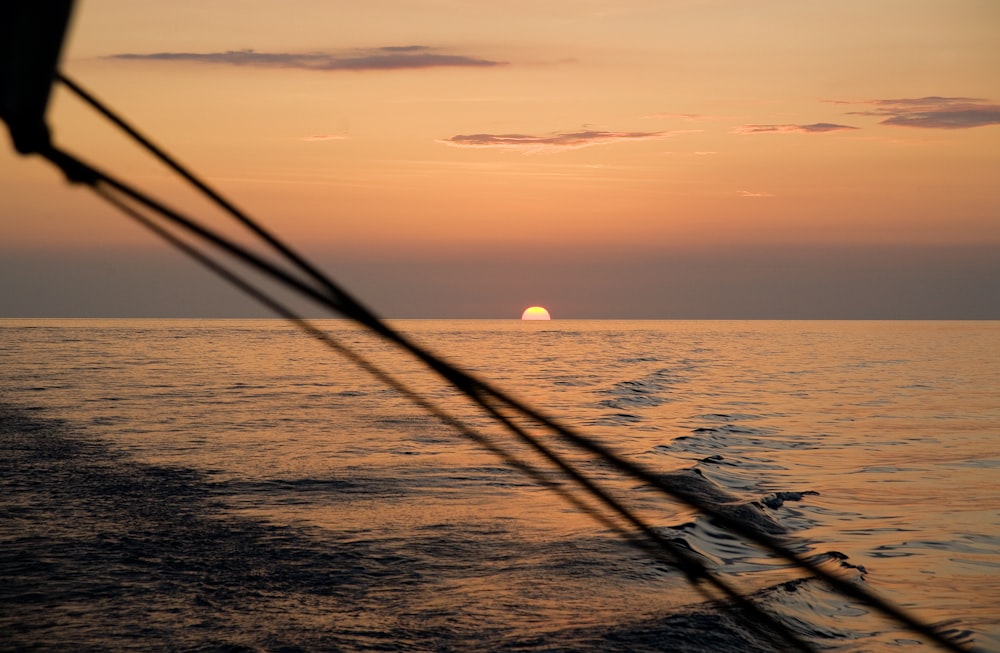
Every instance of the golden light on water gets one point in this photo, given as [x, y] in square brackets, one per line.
[535, 313]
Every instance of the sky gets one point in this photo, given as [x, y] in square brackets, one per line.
[666, 159]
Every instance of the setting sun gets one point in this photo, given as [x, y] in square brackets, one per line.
[535, 313]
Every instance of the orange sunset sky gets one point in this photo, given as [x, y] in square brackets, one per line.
[461, 158]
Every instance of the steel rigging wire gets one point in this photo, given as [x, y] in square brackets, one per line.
[494, 401]
[660, 548]
[28, 54]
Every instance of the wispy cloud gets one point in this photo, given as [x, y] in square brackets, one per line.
[679, 116]
[318, 138]
[553, 142]
[814, 128]
[748, 193]
[933, 112]
[383, 58]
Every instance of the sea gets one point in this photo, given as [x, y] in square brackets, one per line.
[235, 485]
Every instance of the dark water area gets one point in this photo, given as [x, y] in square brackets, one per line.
[220, 486]
[100, 552]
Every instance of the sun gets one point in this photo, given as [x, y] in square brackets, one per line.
[535, 313]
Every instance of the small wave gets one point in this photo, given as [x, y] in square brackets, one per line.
[616, 419]
[731, 428]
[727, 417]
[635, 394]
[778, 499]
[694, 485]
[638, 401]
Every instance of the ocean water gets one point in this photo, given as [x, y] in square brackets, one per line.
[232, 485]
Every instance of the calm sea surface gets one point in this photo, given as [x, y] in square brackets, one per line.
[233, 485]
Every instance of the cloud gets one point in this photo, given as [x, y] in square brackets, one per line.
[565, 141]
[317, 138]
[747, 193]
[680, 116]
[385, 58]
[933, 112]
[814, 128]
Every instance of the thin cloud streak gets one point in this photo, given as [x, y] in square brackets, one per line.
[680, 116]
[319, 138]
[554, 142]
[814, 128]
[933, 112]
[383, 58]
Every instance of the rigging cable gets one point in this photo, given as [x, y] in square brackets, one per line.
[489, 398]
[657, 545]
